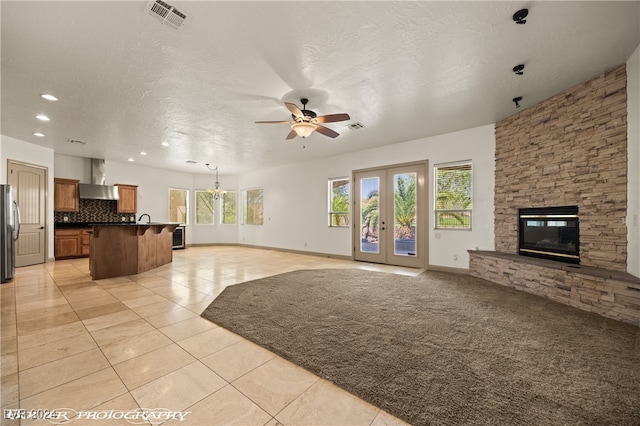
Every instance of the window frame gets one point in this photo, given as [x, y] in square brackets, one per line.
[244, 205]
[235, 209]
[461, 165]
[330, 198]
[186, 205]
[213, 206]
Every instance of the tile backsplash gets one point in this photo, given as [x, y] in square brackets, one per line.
[94, 211]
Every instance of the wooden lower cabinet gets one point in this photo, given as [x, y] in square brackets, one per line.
[85, 238]
[71, 243]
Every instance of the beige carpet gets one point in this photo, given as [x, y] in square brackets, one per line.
[444, 349]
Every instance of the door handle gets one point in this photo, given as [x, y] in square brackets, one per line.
[17, 213]
[42, 227]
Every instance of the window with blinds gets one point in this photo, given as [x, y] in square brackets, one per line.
[453, 195]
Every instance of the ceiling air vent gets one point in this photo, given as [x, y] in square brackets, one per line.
[355, 126]
[166, 13]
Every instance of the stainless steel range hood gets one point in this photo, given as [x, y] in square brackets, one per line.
[97, 190]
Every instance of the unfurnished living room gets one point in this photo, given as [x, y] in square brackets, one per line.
[320, 213]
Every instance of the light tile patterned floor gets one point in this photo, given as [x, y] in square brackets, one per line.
[138, 341]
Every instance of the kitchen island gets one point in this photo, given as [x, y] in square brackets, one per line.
[118, 249]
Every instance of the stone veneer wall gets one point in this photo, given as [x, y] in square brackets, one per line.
[570, 149]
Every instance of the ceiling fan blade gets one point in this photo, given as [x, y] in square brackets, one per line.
[332, 118]
[275, 122]
[292, 134]
[294, 109]
[326, 131]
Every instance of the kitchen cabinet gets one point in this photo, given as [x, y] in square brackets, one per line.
[128, 198]
[65, 195]
[71, 243]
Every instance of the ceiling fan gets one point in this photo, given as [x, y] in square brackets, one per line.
[305, 122]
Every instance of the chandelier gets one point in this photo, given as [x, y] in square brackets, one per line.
[216, 191]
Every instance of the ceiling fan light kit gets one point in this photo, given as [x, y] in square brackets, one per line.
[304, 122]
[303, 128]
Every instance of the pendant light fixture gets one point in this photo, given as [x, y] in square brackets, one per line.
[216, 191]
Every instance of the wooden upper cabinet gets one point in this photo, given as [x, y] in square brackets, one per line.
[66, 197]
[128, 201]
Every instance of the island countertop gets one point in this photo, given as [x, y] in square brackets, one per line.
[129, 248]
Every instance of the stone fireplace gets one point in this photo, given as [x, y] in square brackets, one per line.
[549, 233]
[568, 150]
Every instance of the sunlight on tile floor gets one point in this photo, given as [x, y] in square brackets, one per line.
[139, 342]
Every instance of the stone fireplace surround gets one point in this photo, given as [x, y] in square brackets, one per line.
[570, 149]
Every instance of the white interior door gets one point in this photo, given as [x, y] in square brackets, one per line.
[30, 183]
[390, 211]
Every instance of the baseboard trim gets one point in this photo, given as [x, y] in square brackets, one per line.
[448, 269]
[283, 250]
[327, 255]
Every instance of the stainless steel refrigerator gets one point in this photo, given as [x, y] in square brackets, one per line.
[9, 232]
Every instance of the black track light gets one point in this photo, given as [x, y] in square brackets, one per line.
[519, 69]
[519, 16]
[517, 101]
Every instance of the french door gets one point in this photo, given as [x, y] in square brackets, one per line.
[390, 215]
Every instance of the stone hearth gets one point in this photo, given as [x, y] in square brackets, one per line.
[613, 294]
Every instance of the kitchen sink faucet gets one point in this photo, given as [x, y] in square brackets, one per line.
[143, 215]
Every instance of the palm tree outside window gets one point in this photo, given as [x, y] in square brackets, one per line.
[453, 195]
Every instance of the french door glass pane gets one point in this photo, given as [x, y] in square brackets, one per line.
[404, 213]
[370, 214]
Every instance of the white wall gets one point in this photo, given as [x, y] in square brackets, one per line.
[295, 197]
[633, 147]
[14, 149]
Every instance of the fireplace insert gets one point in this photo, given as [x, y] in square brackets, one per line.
[550, 233]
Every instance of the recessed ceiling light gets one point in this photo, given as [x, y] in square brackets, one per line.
[131, 159]
[165, 144]
[48, 97]
[42, 117]
[38, 134]
[143, 153]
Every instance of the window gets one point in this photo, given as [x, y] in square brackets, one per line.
[453, 203]
[178, 211]
[204, 208]
[228, 208]
[253, 206]
[339, 202]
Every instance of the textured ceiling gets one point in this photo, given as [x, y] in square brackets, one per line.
[405, 70]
